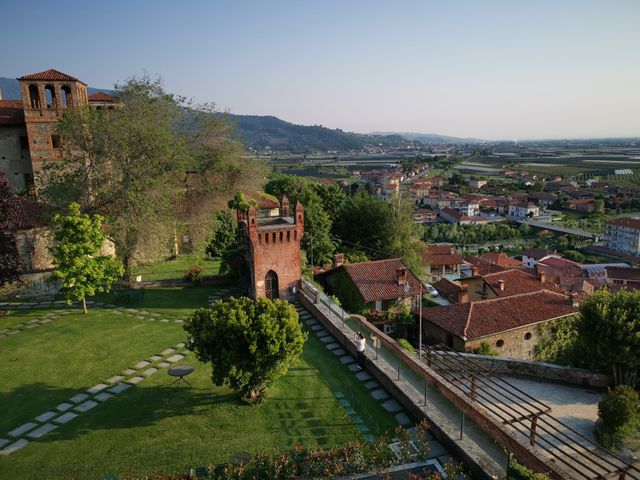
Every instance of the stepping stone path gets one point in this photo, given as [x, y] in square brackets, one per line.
[363, 376]
[67, 417]
[391, 406]
[63, 407]
[97, 388]
[86, 406]
[46, 416]
[83, 402]
[79, 397]
[347, 360]
[14, 447]
[379, 394]
[22, 429]
[43, 430]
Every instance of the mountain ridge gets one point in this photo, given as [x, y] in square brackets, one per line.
[267, 132]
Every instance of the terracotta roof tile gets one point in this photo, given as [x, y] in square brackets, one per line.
[484, 267]
[479, 319]
[26, 214]
[441, 255]
[536, 253]
[101, 97]
[449, 288]
[517, 282]
[501, 259]
[378, 280]
[11, 112]
[51, 75]
[621, 273]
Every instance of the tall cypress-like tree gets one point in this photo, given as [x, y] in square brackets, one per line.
[10, 263]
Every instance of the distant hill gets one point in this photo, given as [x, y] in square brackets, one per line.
[262, 132]
[432, 138]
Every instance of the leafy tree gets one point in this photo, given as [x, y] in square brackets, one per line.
[10, 263]
[356, 256]
[240, 202]
[78, 240]
[316, 241]
[223, 235]
[598, 205]
[456, 179]
[333, 198]
[130, 164]
[608, 334]
[382, 229]
[249, 343]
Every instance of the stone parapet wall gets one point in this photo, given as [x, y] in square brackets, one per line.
[543, 371]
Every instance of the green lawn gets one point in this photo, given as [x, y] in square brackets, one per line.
[156, 427]
[175, 269]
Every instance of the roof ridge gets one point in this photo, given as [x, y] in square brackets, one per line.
[467, 323]
[374, 261]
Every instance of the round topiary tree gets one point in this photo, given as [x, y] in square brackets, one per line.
[249, 343]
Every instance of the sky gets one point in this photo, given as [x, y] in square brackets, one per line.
[490, 69]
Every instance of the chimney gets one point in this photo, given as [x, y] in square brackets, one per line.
[338, 259]
[542, 276]
[0, 94]
[501, 283]
[463, 294]
[573, 299]
[402, 276]
[284, 207]
[474, 271]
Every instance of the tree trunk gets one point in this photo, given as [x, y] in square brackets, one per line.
[84, 305]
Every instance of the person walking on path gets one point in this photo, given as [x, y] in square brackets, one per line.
[361, 345]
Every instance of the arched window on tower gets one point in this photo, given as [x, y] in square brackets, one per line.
[271, 285]
[67, 97]
[50, 96]
[34, 96]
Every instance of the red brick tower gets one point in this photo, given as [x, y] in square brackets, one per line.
[272, 250]
[45, 96]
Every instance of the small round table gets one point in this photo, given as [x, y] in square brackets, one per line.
[180, 371]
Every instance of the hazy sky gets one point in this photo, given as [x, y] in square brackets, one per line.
[489, 69]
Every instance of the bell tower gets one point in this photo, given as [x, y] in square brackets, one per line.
[45, 96]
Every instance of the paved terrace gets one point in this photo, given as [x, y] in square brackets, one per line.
[496, 412]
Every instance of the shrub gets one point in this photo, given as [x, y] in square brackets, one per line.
[485, 349]
[619, 413]
[520, 472]
[194, 274]
[406, 345]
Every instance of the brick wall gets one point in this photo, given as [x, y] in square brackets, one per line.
[275, 248]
